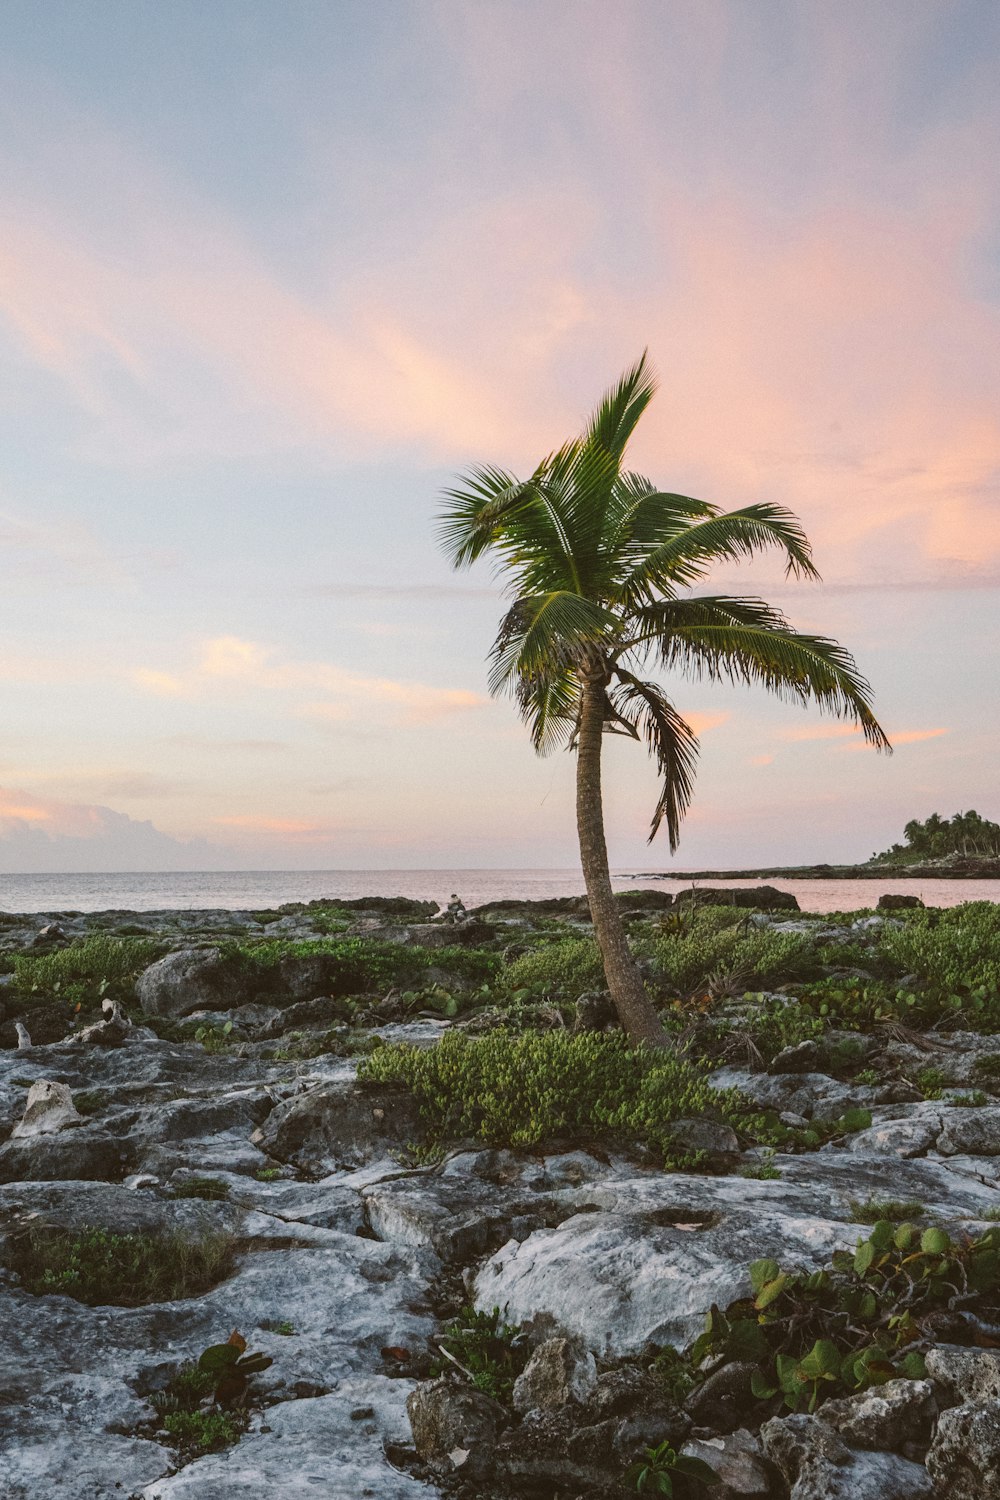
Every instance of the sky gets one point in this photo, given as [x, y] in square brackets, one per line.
[272, 273]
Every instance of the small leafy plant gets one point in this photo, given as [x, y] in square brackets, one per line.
[490, 1352]
[231, 1368]
[656, 1472]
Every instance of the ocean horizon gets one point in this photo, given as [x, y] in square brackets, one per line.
[252, 890]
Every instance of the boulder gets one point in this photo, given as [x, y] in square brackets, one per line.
[971, 1132]
[191, 979]
[817, 1464]
[559, 1371]
[340, 1124]
[621, 1280]
[802, 1058]
[741, 1470]
[964, 1458]
[49, 1108]
[885, 1416]
[454, 1426]
[718, 1142]
[757, 897]
[893, 902]
[964, 1374]
[86, 1154]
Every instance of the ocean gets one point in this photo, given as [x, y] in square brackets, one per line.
[262, 889]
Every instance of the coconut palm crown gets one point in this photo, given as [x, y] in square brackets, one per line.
[598, 563]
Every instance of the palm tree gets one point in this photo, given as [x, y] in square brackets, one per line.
[595, 559]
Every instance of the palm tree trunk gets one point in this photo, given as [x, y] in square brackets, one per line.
[635, 1010]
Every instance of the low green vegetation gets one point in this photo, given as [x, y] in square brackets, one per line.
[875, 1209]
[526, 1089]
[563, 969]
[203, 1406]
[361, 966]
[658, 1470]
[98, 1267]
[84, 972]
[858, 1323]
[212, 1189]
[489, 1351]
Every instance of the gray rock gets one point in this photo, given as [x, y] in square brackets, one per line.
[964, 1458]
[964, 1374]
[742, 1472]
[559, 1371]
[818, 1465]
[975, 1132]
[340, 1124]
[49, 1108]
[85, 1154]
[454, 1425]
[308, 1449]
[719, 1142]
[911, 1137]
[191, 979]
[802, 1058]
[619, 1281]
[885, 1416]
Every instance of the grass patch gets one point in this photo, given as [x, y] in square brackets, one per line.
[361, 966]
[885, 1208]
[84, 972]
[524, 1089]
[212, 1189]
[121, 1270]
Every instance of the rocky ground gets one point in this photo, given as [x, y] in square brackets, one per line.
[209, 1100]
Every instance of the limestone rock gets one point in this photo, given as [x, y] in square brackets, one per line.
[619, 1281]
[49, 1108]
[973, 1132]
[454, 1425]
[818, 1465]
[802, 1058]
[719, 1142]
[964, 1374]
[86, 1154]
[884, 1416]
[741, 1470]
[964, 1459]
[191, 979]
[559, 1371]
[340, 1124]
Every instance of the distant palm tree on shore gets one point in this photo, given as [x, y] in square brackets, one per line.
[594, 557]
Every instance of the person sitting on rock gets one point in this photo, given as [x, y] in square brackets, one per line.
[455, 911]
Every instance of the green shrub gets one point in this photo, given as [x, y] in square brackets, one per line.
[560, 970]
[364, 965]
[122, 1270]
[707, 950]
[525, 1089]
[858, 1323]
[955, 953]
[86, 971]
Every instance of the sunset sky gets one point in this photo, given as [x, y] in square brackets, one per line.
[271, 271]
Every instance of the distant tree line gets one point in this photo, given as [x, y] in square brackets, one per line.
[966, 833]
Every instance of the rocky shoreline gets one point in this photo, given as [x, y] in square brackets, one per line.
[952, 868]
[458, 1317]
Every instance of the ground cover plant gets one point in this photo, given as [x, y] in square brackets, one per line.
[489, 1351]
[358, 965]
[98, 1267]
[203, 1406]
[83, 973]
[524, 1089]
[862, 1321]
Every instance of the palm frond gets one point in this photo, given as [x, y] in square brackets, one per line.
[545, 634]
[614, 421]
[550, 707]
[796, 667]
[730, 536]
[669, 739]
